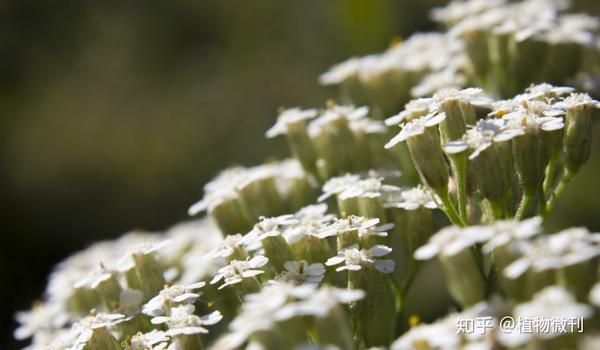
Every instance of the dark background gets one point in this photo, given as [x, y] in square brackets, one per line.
[115, 113]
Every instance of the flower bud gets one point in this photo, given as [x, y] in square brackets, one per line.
[146, 275]
[335, 328]
[577, 137]
[429, 160]
[101, 339]
[463, 278]
[476, 41]
[259, 197]
[527, 60]
[277, 250]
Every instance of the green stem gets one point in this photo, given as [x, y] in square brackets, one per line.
[448, 207]
[497, 209]
[527, 202]
[566, 178]
[549, 176]
[459, 165]
[402, 291]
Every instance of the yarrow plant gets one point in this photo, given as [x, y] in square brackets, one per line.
[449, 147]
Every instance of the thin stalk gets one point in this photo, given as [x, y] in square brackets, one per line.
[550, 175]
[527, 202]
[448, 208]
[402, 291]
[566, 178]
[497, 209]
[459, 166]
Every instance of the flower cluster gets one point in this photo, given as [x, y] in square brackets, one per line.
[535, 134]
[269, 268]
[500, 45]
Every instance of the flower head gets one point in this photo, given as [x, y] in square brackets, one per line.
[183, 321]
[170, 296]
[290, 116]
[354, 259]
[300, 271]
[237, 270]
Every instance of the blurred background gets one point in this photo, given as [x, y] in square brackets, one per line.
[115, 113]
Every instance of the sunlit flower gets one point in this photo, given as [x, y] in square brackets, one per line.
[290, 116]
[354, 259]
[171, 296]
[182, 321]
[237, 270]
[299, 272]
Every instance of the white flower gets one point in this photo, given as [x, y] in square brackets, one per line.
[290, 116]
[153, 340]
[481, 137]
[473, 96]
[576, 100]
[261, 310]
[341, 72]
[171, 296]
[566, 248]
[544, 91]
[314, 214]
[83, 330]
[228, 246]
[336, 185]
[300, 271]
[321, 302]
[457, 10]
[451, 240]
[507, 231]
[363, 225]
[182, 321]
[267, 227]
[410, 199]
[370, 187]
[367, 126]
[449, 78]
[333, 113]
[146, 248]
[43, 317]
[415, 127]
[445, 334]
[550, 303]
[413, 109]
[438, 335]
[237, 270]
[354, 259]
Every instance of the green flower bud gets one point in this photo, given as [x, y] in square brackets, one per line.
[146, 275]
[578, 132]
[101, 339]
[527, 153]
[454, 126]
[259, 197]
[82, 300]
[463, 278]
[277, 250]
[189, 342]
[528, 56]
[478, 51]
[335, 328]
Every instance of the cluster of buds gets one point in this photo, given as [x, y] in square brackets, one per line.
[487, 142]
[238, 196]
[388, 80]
[497, 44]
[510, 45]
[337, 140]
